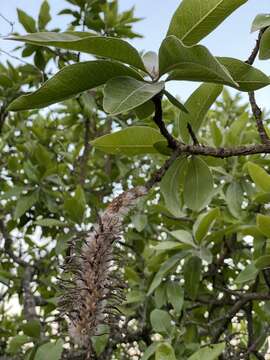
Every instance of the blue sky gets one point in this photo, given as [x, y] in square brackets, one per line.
[232, 38]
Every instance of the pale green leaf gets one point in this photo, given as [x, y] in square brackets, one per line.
[25, 203]
[204, 223]
[125, 93]
[171, 184]
[184, 237]
[263, 262]
[194, 63]
[106, 47]
[150, 351]
[165, 351]
[197, 105]
[161, 321]
[210, 352]
[134, 140]
[248, 274]
[195, 19]
[175, 294]
[260, 177]
[234, 198]
[50, 351]
[261, 21]
[264, 53]
[263, 224]
[65, 83]
[198, 184]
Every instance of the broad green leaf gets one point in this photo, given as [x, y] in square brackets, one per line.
[150, 351]
[65, 83]
[162, 147]
[168, 245]
[50, 351]
[32, 328]
[175, 294]
[210, 352]
[125, 93]
[25, 203]
[75, 205]
[264, 46]
[44, 16]
[139, 221]
[17, 342]
[204, 223]
[261, 21]
[234, 198]
[171, 184]
[198, 184]
[192, 276]
[248, 274]
[260, 177]
[263, 262]
[195, 19]
[27, 21]
[100, 342]
[175, 102]
[150, 60]
[134, 140]
[194, 63]
[263, 224]
[49, 222]
[160, 296]
[165, 268]
[197, 105]
[246, 76]
[145, 110]
[106, 47]
[161, 321]
[165, 351]
[184, 237]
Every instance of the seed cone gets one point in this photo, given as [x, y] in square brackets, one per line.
[94, 290]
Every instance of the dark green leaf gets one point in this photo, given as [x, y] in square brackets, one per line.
[192, 275]
[27, 21]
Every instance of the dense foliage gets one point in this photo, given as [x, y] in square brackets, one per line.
[193, 254]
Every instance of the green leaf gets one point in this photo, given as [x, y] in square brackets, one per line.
[194, 63]
[248, 274]
[260, 177]
[145, 110]
[106, 47]
[49, 222]
[264, 46]
[44, 16]
[161, 321]
[65, 83]
[204, 223]
[168, 245]
[198, 184]
[164, 270]
[197, 105]
[195, 19]
[175, 296]
[184, 237]
[150, 351]
[234, 199]
[100, 342]
[75, 205]
[139, 221]
[124, 93]
[27, 21]
[175, 102]
[246, 76]
[50, 351]
[263, 262]
[32, 328]
[25, 203]
[192, 275]
[261, 21]
[263, 224]
[16, 343]
[171, 184]
[134, 140]
[165, 351]
[210, 352]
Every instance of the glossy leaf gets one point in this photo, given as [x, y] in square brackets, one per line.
[184, 237]
[234, 198]
[194, 63]
[210, 352]
[197, 105]
[195, 19]
[247, 77]
[124, 93]
[175, 101]
[198, 184]
[171, 184]
[261, 21]
[263, 224]
[204, 223]
[26, 21]
[248, 274]
[107, 47]
[165, 352]
[65, 83]
[260, 177]
[44, 15]
[134, 140]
